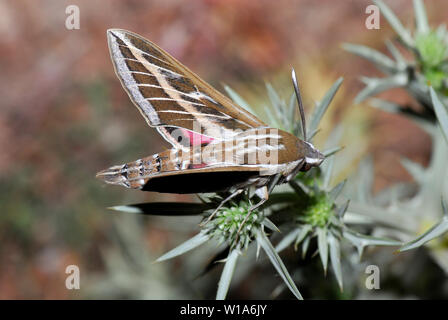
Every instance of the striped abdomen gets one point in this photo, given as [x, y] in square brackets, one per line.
[135, 174]
[263, 149]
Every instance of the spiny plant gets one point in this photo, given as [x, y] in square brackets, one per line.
[426, 79]
[304, 210]
[441, 227]
[429, 66]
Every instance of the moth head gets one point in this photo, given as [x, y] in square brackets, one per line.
[313, 157]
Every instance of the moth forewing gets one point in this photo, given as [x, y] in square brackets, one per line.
[168, 94]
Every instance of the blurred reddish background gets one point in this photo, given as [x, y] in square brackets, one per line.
[64, 115]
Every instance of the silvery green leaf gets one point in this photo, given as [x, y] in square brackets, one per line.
[336, 191]
[312, 134]
[238, 99]
[377, 85]
[320, 108]
[126, 208]
[277, 103]
[273, 96]
[391, 107]
[227, 273]
[305, 246]
[297, 130]
[436, 231]
[441, 32]
[335, 256]
[323, 246]
[361, 241]
[416, 170]
[303, 186]
[316, 187]
[328, 172]
[272, 119]
[380, 216]
[421, 20]
[188, 245]
[334, 139]
[270, 225]
[401, 61]
[441, 112]
[343, 209]
[277, 291]
[277, 263]
[335, 136]
[299, 188]
[365, 180]
[292, 105]
[395, 23]
[394, 194]
[419, 90]
[384, 105]
[304, 230]
[165, 208]
[328, 166]
[287, 240]
[357, 219]
[445, 209]
[331, 151]
[202, 198]
[257, 254]
[383, 62]
[292, 113]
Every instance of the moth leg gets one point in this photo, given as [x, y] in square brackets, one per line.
[273, 182]
[264, 196]
[234, 194]
[264, 192]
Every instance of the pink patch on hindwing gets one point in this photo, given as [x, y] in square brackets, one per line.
[196, 139]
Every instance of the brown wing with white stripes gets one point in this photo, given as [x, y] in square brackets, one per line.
[169, 95]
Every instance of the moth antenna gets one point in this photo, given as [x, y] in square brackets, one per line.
[299, 101]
